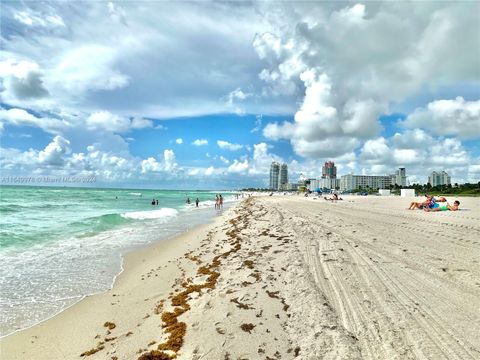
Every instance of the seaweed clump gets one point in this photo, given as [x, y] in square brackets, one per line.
[99, 347]
[156, 355]
[110, 325]
[247, 327]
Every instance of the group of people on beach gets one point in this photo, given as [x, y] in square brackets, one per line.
[432, 203]
[218, 201]
[334, 198]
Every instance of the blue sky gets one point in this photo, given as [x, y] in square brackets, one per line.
[190, 94]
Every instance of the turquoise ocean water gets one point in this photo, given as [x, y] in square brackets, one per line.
[58, 245]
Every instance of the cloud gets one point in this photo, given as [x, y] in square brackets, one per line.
[20, 117]
[54, 151]
[169, 158]
[228, 146]
[319, 126]
[22, 80]
[448, 117]
[200, 142]
[258, 123]
[329, 69]
[125, 70]
[350, 72]
[33, 19]
[179, 141]
[234, 98]
[117, 13]
[419, 153]
[275, 131]
[224, 160]
[413, 139]
[150, 165]
[167, 165]
[107, 121]
[88, 68]
[238, 166]
[141, 123]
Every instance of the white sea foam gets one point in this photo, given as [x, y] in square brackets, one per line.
[151, 214]
[135, 194]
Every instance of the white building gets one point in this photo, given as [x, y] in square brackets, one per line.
[352, 182]
[439, 178]
[399, 178]
[324, 183]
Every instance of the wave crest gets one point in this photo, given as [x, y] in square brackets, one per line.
[151, 214]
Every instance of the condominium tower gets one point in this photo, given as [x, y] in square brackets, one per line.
[283, 180]
[329, 170]
[274, 174]
[439, 178]
[278, 176]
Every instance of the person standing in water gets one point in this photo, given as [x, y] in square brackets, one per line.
[196, 202]
[220, 202]
[216, 201]
[153, 201]
[157, 201]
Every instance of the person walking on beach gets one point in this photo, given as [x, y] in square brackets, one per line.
[196, 202]
[220, 202]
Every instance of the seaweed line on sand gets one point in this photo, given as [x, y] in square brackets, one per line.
[175, 329]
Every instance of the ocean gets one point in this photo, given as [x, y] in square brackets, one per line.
[58, 245]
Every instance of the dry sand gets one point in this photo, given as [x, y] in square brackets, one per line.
[283, 278]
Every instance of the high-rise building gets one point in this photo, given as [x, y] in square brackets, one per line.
[329, 170]
[278, 176]
[399, 178]
[274, 175]
[283, 176]
[439, 178]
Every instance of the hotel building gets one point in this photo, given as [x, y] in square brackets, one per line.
[353, 182]
[439, 178]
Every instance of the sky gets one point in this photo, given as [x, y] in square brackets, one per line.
[205, 95]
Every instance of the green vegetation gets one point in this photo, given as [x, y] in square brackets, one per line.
[456, 189]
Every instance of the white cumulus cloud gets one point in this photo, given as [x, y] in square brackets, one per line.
[448, 117]
[200, 142]
[228, 146]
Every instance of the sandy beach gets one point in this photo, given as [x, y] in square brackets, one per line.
[286, 277]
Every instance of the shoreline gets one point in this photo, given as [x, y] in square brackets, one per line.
[131, 260]
[293, 277]
[207, 219]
